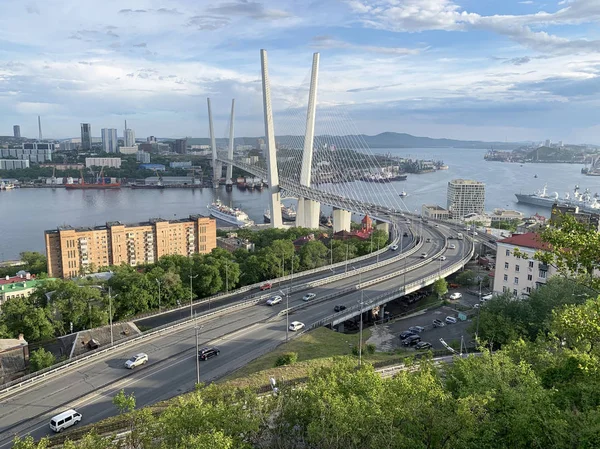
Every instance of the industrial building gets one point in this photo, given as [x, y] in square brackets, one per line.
[75, 251]
[13, 164]
[113, 162]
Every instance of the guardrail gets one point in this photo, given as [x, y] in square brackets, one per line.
[385, 297]
[36, 377]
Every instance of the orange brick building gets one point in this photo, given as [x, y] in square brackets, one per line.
[75, 251]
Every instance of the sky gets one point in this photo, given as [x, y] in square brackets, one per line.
[494, 70]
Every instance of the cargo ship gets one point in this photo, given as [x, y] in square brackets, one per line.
[101, 183]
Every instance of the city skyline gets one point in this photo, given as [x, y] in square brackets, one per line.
[521, 70]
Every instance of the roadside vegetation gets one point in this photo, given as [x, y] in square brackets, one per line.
[539, 388]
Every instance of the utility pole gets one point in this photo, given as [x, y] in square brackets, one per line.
[197, 358]
[110, 315]
[192, 294]
[158, 282]
[347, 250]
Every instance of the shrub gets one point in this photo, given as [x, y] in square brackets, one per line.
[41, 359]
[289, 358]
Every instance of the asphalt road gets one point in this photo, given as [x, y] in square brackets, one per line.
[241, 336]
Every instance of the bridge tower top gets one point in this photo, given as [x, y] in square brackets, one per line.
[307, 153]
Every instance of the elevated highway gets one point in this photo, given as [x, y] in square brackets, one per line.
[242, 335]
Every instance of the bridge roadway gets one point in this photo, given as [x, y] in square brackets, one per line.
[241, 336]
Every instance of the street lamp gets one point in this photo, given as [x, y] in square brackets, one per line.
[191, 294]
[197, 355]
[361, 302]
[110, 314]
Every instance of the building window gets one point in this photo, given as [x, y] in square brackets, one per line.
[528, 289]
[506, 265]
[504, 289]
[529, 277]
[506, 277]
[515, 292]
[543, 274]
[507, 252]
[531, 264]
[516, 280]
[516, 268]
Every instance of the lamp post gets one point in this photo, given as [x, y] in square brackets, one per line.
[361, 302]
[197, 355]
[347, 250]
[192, 294]
[158, 282]
[110, 314]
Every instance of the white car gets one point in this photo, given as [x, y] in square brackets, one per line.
[423, 255]
[309, 296]
[450, 320]
[452, 246]
[296, 326]
[442, 257]
[474, 233]
[455, 295]
[486, 298]
[137, 360]
[394, 247]
[274, 300]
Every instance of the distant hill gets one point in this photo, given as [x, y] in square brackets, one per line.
[383, 140]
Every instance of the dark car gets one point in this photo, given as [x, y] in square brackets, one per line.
[405, 234]
[207, 353]
[404, 335]
[412, 340]
[339, 308]
[416, 329]
[422, 345]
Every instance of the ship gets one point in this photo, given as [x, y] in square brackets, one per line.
[585, 201]
[403, 194]
[101, 183]
[287, 214]
[381, 178]
[234, 216]
[7, 186]
[594, 169]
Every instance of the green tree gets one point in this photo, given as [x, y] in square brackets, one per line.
[313, 254]
[124, 403]
[466, 278]
[41, 359]
[35, 263]
[22, 315]
[579, 325]
[29, 443]
[440, 287]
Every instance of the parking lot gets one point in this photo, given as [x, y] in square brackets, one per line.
[386, 336]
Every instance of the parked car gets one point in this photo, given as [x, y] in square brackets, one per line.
[438, 323]
[422, 345]
[339, 308]
[486, 298]
[475, 233]
[266, 286]
[405, 234]
[450, 237]
[452, 246]
[412, 340]
[455, 295]
[308, 296]
[137, 360]
[450, 320]
[296, 325]
[207, 353]
[423, 255]
[416, 329]
[476, 306]
[404, 335]
[442, 257]
[274, 300]
[394, 247]
[437, 225]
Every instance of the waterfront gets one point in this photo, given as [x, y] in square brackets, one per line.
[26, 213]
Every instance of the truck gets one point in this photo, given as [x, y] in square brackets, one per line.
[459, 236]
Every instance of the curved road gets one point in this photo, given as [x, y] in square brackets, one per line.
[241, 336]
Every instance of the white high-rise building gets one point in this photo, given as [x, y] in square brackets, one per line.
[465, 197]
[109, 140]
[129, 138]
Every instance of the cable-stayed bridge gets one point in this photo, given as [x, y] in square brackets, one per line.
[335, 168]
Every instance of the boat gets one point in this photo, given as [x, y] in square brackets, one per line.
[241, 183]
[443, 167]
[403, 194]
[234, 216]
[535, 176]
[146, 186]
[287, 214]
[229, 185]
[585, 201]
[100, 184]
[7, 186]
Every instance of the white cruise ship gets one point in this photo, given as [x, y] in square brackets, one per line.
[234, 216]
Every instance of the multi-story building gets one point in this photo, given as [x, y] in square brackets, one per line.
[151, 139]
[143, 157]
[128, 150]
[465, 197]
[73, 251]
[113, 162]
[520, 273]
[17, 131]
[13, 164]
[590, 219]
[18, 286]
[180, 164]
[180, 146]
[86, 136]
[110, 141]
[129, 137]
[434, 212]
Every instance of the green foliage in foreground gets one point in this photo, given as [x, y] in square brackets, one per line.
[41, 359]
[541, 394]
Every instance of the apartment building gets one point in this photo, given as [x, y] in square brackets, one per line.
[521, 273]
[434, 212]
[465, 196]
[112, 162]
[73, 251]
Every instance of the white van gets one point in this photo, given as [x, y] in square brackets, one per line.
[64, 420]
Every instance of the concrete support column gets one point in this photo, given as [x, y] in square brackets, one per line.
[382, 313]
[272, 173]
[383, 226]
[308, 213]
[341, 220]
[230, 149]
[213, 144]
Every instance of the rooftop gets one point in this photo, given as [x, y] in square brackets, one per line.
[528, 240]
[434, 207]
[21, 284]
[109, 224]
[465, 181]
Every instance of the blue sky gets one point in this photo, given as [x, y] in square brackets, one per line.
[465, 69]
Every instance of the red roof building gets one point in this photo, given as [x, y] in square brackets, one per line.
[528, 240]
